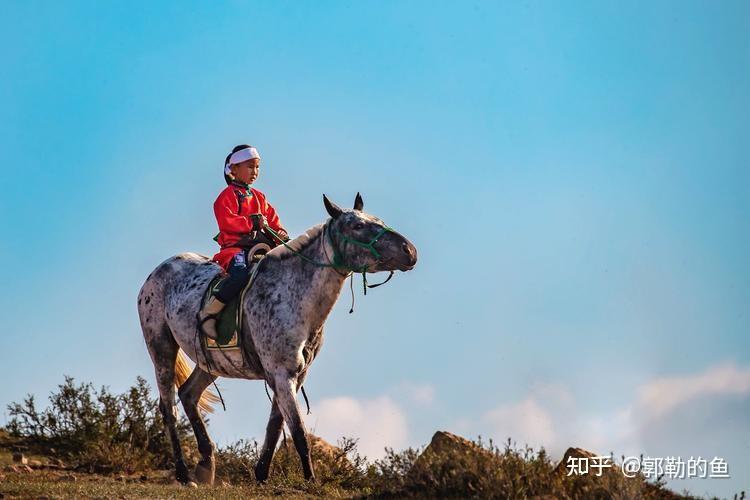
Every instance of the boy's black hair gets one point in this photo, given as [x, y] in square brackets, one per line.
[234, 150]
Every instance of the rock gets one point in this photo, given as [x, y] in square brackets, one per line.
[192, 484]
[447, 443]
[35, 464]
[456, 463]
[11, 468]
[57, 462]
[447, 450]
[20, 458]
[25, 468]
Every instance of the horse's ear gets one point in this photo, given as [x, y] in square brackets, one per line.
[332, 209]
[358, 202]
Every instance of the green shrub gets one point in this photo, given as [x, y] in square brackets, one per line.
[235, 463]
[97, 431]
[340, 470]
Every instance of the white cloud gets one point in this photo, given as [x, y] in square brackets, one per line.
[376, 423]
[525, 422]
[549, 416]
[661, 396]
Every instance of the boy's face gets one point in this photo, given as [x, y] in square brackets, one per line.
[246, 171]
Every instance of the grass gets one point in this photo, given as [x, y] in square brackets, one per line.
[84, 429]
[43, 484]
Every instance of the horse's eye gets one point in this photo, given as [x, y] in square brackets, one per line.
[359, 226]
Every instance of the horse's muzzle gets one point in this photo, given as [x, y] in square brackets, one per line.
[408, 256]
[397, 253]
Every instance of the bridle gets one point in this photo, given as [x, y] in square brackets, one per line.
[337, 263]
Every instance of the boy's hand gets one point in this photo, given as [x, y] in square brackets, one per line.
[283, 234]
[258, 222]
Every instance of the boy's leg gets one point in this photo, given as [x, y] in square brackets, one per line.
[239, 274]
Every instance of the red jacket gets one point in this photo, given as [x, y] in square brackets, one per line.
[232, 209]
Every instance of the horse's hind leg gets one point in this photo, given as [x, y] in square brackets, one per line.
[163, 350]
[190, 394]
[285, 389]
[273, 430]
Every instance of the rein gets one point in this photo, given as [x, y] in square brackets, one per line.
[338, 258]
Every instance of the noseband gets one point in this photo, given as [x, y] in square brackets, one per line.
[370, 246]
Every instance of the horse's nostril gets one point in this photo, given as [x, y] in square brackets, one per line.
[405, 248]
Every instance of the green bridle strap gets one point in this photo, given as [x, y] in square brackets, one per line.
[370, 245]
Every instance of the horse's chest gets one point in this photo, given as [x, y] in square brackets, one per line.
[293, 349]
[286, 319]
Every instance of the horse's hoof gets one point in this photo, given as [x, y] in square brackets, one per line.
[205, 472]
[189, 484]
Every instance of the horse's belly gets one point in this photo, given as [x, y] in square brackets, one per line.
[224, 362]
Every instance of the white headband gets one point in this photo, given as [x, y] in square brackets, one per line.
[240, 156]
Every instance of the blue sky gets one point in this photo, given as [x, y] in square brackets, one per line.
[574, 176]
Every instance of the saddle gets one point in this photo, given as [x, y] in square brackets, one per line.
[229, 321]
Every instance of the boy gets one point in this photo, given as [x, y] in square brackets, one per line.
[233, 208]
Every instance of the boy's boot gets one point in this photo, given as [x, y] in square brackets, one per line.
[208, 315]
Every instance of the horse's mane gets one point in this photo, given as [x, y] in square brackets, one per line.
[299, 243]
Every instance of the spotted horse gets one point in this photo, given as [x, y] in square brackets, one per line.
[292, 294]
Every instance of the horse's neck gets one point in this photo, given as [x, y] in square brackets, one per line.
[316, 287]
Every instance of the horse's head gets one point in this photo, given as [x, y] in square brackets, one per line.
[364, 242]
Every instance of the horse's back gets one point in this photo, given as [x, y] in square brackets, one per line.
[175, 282]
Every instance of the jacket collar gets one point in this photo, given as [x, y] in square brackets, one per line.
[241, 185]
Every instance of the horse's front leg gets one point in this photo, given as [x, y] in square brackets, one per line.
[273, 430]
[285, 387]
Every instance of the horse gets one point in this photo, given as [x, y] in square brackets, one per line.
[293, 291]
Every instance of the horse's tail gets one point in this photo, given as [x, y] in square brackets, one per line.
[182, 371]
